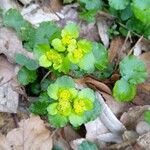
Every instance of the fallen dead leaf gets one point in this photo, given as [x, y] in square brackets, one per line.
[99, 85]
[132, 116]
[115, 47]
[31, 135]
[7, 74]
[144, 141]
[35, 14]
[70, 134]
[10, 45]
[146, 58]
[7, 4]
[116, 107]
[103, 24]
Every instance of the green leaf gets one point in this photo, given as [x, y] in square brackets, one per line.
[147, 116]
[86, 145]
[52, 109]
[58, 121]
[45, 84]
[44, 61]
[32, 64]
[141, 9]
[45, 31]
[65, 68]
[85, 45]
[58, 45]
[35, 88]
[76, 120]
[21, 59]
[124, 91]
[39, 107]
[87, 65]
[26, 76]
[94, 113]
[53, 91]
[101, 56]
[71, 29]
[136, 25]
[40, 50]
[65, 81]
[67, 1]
[126, 13]
[27, 62]
[92, 4]
[118, 4]
[88, 16]
[133, 69]
[87, 93]
[13, 18]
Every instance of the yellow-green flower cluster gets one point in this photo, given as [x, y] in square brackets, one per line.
[66, 47]
[69, 102]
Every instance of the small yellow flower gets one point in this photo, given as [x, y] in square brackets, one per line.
[78, 54]
[66, 40]
[64, 94]
[64, 107]
[79, 106]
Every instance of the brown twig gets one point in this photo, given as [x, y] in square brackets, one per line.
[16, 120]
[139, 40]
[46, 75]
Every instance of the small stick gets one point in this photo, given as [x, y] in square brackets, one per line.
[139, 40]
[46, 75]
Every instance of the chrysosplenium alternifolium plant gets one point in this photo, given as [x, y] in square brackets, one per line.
[67, 50]
[70, 104]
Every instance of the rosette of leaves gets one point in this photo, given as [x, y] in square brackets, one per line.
[71, 105]
[133, 72]
[67, 49]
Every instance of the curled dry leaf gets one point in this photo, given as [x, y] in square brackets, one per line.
[10, 44]
[116, 108]
[98, 85]
[31, 135]
[132, 116]
[108, 118]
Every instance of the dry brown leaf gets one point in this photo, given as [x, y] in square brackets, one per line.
[146, 58]
[115, 47]
[31, 135]
[99, 85]
[70, 134]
